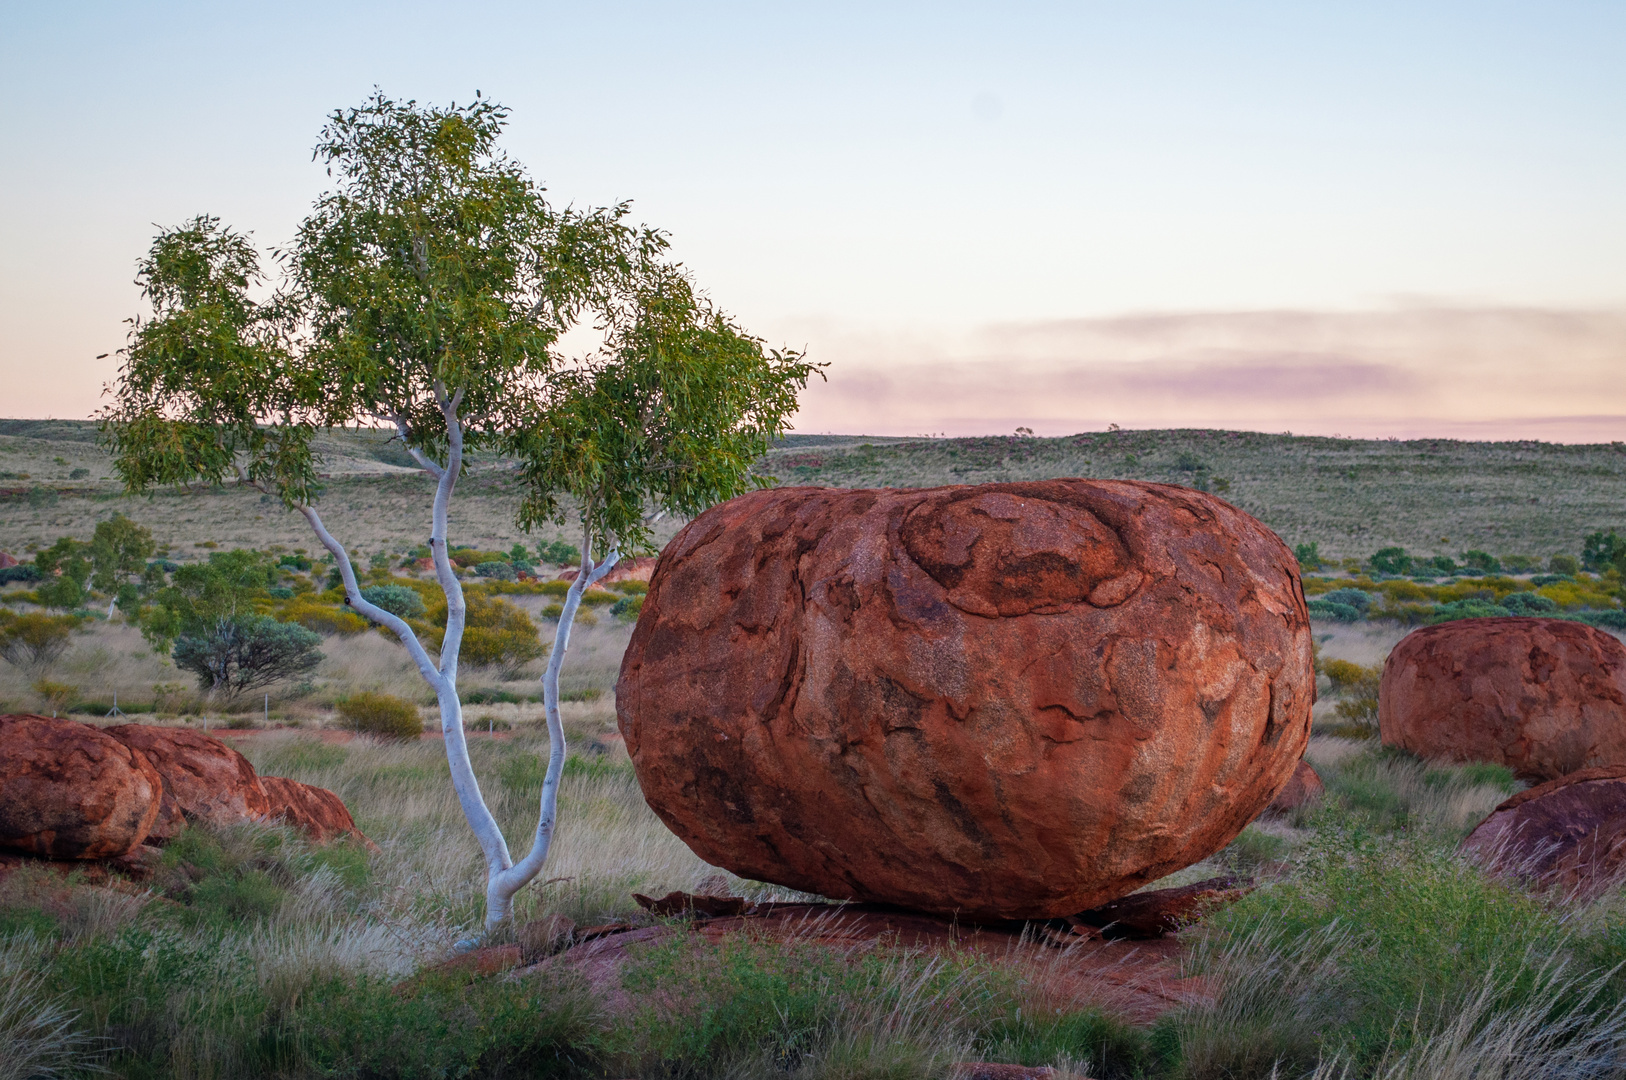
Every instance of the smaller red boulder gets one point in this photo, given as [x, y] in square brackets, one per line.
[1303, 788]
[1567, 834]
[320, 813]
[69, 791]
[204, 779]
[1544, 697]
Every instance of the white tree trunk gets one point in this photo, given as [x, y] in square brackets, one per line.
[504, 878]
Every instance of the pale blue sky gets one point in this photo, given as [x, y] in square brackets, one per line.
[905, 189]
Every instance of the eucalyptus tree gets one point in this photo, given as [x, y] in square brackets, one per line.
[428, 291]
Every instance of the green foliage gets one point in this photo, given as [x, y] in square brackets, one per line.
[1391, 560]
[35, 641]
[118, 549]
[396, 599]
[1481, 562]
[559, 553]
[244, 652]
[381, 714]
[1602, 551]
[1564, 564]
[20, 572]
[629, 587]
[496, 633]
[501, 571]
[1520, 564]
[1326, 609]
[1308, 556]
[201, 595]
[628, 608]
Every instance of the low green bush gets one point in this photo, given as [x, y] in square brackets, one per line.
[381, 714]
[1323, 609]
[628, 608]
[395, 599]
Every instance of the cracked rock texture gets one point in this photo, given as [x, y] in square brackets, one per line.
[204, 779]
[1006, 701]
[1545, 697]
[70, 791]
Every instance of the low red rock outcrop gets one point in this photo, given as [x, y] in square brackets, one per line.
[7, 560]
[1006, 701]
[204, 779]
[320, 813]
[1305, 787]
[1545, 697]
[1568, 833]
[638, 569]
[70, 791]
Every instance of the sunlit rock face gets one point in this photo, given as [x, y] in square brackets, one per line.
[1008, 700]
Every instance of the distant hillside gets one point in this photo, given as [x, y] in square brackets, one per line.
[1352, 496]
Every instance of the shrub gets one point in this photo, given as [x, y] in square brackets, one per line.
[498, 634]
[1602, 550]
[381, 714]
[1308, 555]
[1481, 561]
[554, 588]
[40, 497]
[1528, 603]
[1358, 599]
[593, 598]
[502, 571]
[1467, 609]
[295, 562]
[553, 611]
[628, 608]
[1357, 687]
[467, 557]
[1442, 564]
[1322, 609]
[36, 640]
[56, 695]
[1520, 564]
[20, 572]
[246, 652]
[559, 553]
[1564, 564]
[313, 614]
[1391, 560]
[630, 587]
[395, 599]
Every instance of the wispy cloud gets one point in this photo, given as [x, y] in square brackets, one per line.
[1477, 373]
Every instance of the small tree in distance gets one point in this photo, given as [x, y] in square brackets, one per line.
[427, 292]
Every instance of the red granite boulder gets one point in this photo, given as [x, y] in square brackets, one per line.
[69, 791]
[204, 779]
[1007, 701]
[1304, 788]
[320, 813]
[1568, 833]
[1545, 697]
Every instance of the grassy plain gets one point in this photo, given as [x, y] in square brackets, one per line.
[1353, 496]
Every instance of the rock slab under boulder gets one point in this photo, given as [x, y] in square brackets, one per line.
[71, 791]
[1567, 834]
[204, 779]
[1545, 697]
[1006, 701]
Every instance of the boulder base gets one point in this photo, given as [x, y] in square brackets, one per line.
[204, 779]
[70, 791]
[1006, 701]
[1568, 834]
[320, 813]
[1545, 697]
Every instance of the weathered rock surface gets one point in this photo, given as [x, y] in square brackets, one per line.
[1304, 788]
[1007, 701]
[1568, 833]
[1545, 697]
[320, 813]
[70, 791]
[204, 779]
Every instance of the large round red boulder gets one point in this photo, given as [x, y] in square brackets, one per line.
[1544, 697]
[69, 791]
[1568, 834]
[1012, 700]
[204, 779]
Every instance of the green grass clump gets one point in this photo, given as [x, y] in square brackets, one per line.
[384, 715]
